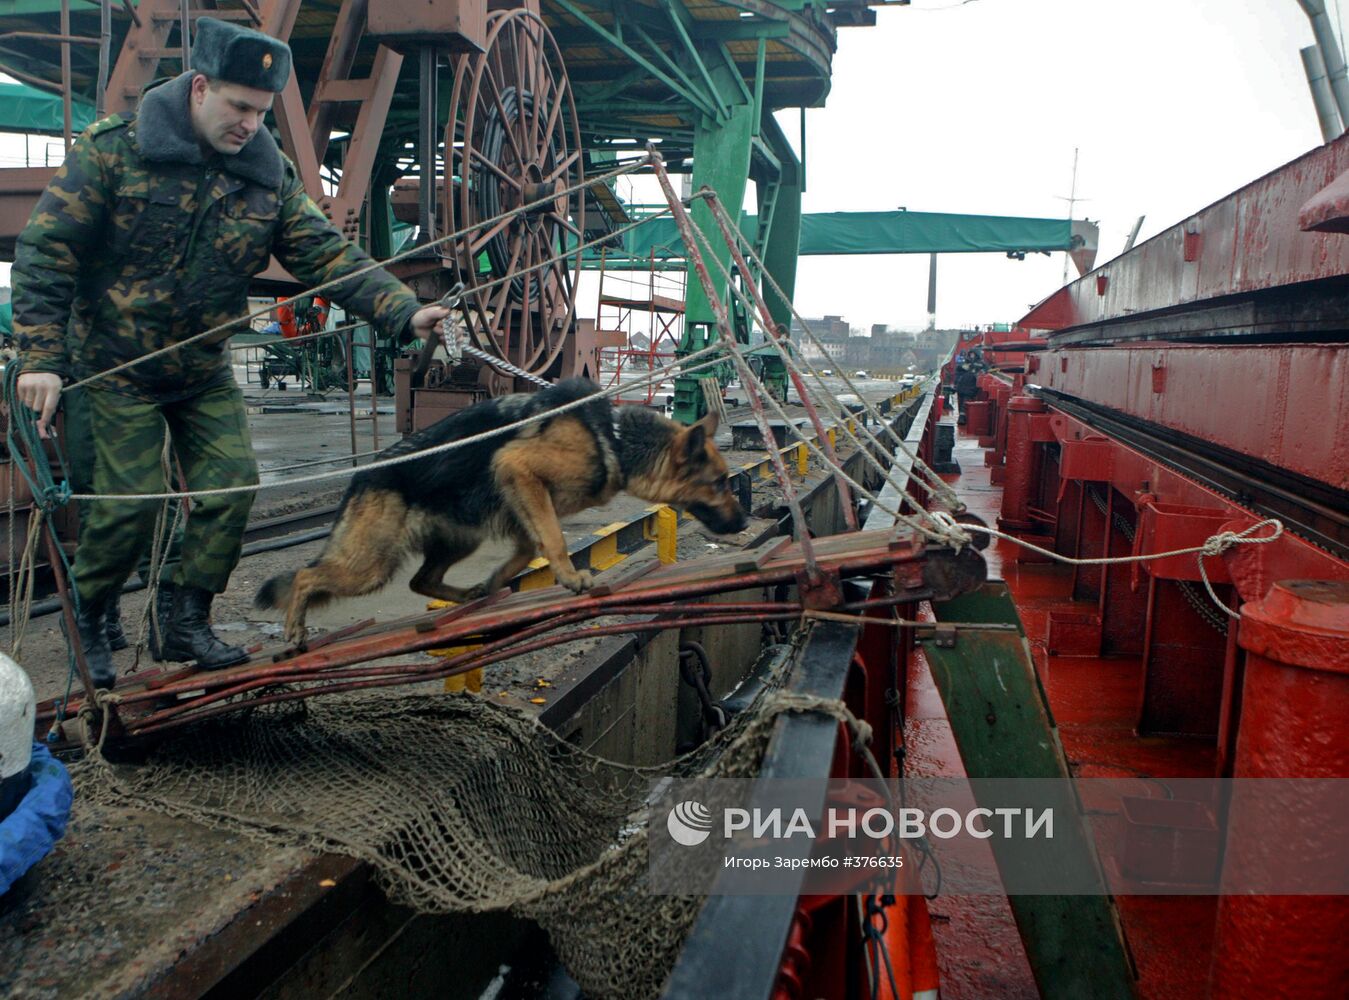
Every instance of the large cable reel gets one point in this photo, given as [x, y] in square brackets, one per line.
[513, 140]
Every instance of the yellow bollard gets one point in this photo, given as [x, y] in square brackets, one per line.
[667, 535]
[802, 459]
[832, 437]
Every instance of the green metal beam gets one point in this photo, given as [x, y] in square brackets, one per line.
[1003, 728]
[782, 249]
[739, 31]
[720, 161]
[758, 83]
[713, 99]
[677, 15]
[590, 92]
[721, 158]
[616, 40]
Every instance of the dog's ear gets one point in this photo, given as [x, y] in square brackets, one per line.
[695, 442]
[709, 423]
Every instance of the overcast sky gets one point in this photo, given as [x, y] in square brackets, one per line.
[976, 107]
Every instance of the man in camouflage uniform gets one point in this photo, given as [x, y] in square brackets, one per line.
[148, 235]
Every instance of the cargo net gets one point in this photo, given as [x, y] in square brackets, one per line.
[459, 805]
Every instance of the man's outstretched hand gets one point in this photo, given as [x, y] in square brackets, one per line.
[40, 392]
[426, 319]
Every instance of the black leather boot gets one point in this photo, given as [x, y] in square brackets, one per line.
[91, 622]
[163, 614]
[113, 624]
[189, 636]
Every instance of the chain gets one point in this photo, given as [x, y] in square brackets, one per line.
[453, 337]
[1211, 616]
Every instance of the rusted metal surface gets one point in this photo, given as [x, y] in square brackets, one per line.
[515, 140]
[1063, 466]
[1250, 242]
[506, 626]
[1310, 508]
[1289, 402]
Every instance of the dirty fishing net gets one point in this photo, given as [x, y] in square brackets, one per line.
[459, 804]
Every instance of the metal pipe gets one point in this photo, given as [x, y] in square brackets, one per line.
[104, 56]
[1327, 115]
[65, 74]
[426, 144]
[72, 39]
[351, 394]
[1133, 234]
[932, 292]
[185, 33]
[1324, 32]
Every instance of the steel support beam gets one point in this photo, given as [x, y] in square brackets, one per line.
[695, 97]
[346, 37]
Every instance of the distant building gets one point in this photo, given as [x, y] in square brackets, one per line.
[831, 331]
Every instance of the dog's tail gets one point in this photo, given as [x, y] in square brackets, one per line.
[275, 593]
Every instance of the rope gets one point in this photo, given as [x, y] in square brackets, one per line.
[655, 377]
[753, 384]
[941, 527]
[947, 529]
[1214, 545]
[937, 484]
[419, 250]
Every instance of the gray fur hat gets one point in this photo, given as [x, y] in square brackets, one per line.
[225, 51]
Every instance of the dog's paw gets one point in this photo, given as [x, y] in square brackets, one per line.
[296, 636]
[579, 582]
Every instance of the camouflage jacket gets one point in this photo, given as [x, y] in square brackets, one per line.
[141, 241]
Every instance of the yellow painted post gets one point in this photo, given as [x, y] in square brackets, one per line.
[802, 459]
[667, 535]
[832, 437]
[540, 575]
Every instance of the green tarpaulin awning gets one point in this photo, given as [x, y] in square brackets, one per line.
[890, 232]
[27, 109]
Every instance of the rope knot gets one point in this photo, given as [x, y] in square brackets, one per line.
[49, 498]
[1217, 544]
[951, 530]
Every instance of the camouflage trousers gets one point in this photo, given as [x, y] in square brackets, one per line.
[209, 434]
[79, 448]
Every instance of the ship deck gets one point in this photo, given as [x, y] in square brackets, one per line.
[1095, 704]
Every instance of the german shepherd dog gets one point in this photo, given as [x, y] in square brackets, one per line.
[516, 485]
